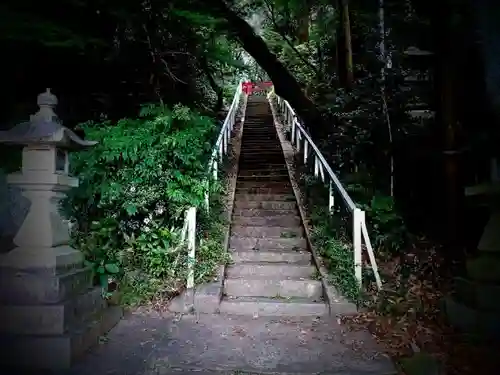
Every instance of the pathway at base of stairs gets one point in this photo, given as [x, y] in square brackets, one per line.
[150, 343]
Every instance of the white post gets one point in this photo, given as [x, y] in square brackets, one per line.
[215, 166]
[306, 150]
[207, 194]
[371, 253]
[321, 172]
[331, 200]
[297, 132]
[191, 237]
[298, 140]
[357, 217]
[225, 139]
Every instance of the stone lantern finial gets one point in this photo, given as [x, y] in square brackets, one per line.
[47, 102]
[47, 99]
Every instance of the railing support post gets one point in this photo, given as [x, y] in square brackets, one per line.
[191, 242]
[331, 198]
[207, 195]
[357, 220]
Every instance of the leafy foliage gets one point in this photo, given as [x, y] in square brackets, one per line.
[135, 186]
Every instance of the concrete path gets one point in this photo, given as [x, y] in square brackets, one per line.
[150, 343]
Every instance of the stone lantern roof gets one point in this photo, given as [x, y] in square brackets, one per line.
[44, 127]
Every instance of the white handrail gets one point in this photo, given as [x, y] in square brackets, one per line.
[219, 151]
[221, 145]
[359, 228]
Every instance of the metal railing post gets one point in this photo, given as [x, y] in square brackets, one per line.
[191, 242]
[357, 218]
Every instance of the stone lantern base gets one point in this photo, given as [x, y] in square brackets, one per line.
[49, 316]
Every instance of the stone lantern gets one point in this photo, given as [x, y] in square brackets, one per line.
[49, 309]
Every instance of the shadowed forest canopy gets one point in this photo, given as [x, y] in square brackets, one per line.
[107, 57]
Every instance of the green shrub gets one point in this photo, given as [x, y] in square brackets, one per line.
[332, 234]
[135, 186]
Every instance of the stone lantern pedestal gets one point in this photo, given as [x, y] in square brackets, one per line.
[50, 312]
[473, 306]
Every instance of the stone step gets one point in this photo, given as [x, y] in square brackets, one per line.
[268, 135]
[264, 135]
[259, 150]
[263, 184]
[258, 153]
[269, 177]
[253, 164]
[264, 157]
[267, 167]
[255, 129]
[266, 231]
[273, 221]
[257, 212]
[258, 122]
[251, 243]
[264, 172]
[56, 318]
[270, 270]
[264, 190]
[261, 306]
[264, 197]
[261, 144]
[260, 161]
[284, 288]
[265, 205]
[260, 139]
[271, 256]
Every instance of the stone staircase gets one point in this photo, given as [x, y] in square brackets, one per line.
[272, 272]
[273, 317]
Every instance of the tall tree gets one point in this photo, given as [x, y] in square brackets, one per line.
[344, 46]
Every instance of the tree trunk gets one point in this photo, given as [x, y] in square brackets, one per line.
[344, 46]
[285, 84]
[447, 87]
[303, 21]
